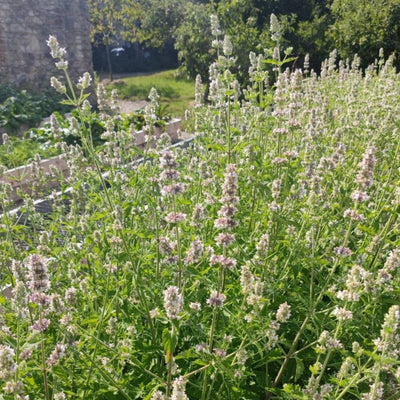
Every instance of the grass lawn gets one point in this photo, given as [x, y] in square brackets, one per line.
[175, 93]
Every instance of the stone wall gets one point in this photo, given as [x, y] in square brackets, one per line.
[25, 25]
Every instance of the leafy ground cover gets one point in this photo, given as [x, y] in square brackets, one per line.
[175, 93]
[261, 262]
[15, 152]
[46, 140]
[21, 107]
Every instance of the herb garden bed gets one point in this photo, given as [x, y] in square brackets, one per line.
[260, 262]
[22, 179]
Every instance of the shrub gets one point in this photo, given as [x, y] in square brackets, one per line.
[19, 107]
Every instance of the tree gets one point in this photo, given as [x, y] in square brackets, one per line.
[105, 20]
[310, 35]
[193, 41]
[365, 26]
[239, 20]
[247, 25]
[151, 22]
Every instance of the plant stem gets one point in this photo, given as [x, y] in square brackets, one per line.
[98, 328]
[228, 130]
[44, 369]
[210, 344]
[178, 240]
[292, 349]
[170, 361]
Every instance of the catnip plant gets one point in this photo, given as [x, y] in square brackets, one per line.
[259, 261]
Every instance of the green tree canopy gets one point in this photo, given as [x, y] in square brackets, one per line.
[105, 21]
[365, 26]
[309, 26]
[151, 22]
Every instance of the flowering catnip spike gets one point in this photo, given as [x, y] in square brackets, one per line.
[283, 313]
[376, 392]
[38, 277]
[84, 81]
[157, 395]
[179, 389]
[56, 354]
[342, 314]
[365, 176]
[57, 85]
[7, 364]
[275, 28]
[195, 252]
[229, 199]
[175, 217]
[173, 302]
[215, 28]
[388, 344]
[216, 299]
[199, 100]
[227, 46]
[56, 50]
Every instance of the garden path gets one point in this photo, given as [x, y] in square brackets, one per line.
[127, 106]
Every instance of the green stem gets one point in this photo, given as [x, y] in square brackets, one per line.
[210, 390]
[351, 383]
[179, 250]
[228, 123]
[8, 232]
[292, 349]
[44, 369]
[328, 355]
[210, 344]
[196, 371]
[253, 204]
[212, 332]
[97, 330]
[91, 151]
[170, 364]
[158, 265]
[17, 351]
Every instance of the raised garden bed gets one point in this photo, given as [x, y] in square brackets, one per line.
[21, 180]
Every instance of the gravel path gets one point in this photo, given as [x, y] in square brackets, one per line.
[128, 106]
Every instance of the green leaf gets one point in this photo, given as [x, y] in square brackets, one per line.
[169, 341]
[299, 369]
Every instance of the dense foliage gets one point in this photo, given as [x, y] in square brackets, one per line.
[259, 262]
[312, 27]
[20, 107]
[48, 139]
[366, 27]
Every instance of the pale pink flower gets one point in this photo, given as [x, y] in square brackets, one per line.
[353, 215]
[283, 314]
[342, 314]
[179, 389]
[38, 277]
[175, 217]
[216, 299]
[195, 306]
[195, 252]
[41, 325]
[56, 354]
[219, 352]
[7, 364]
[173, 302]
[224, 239]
